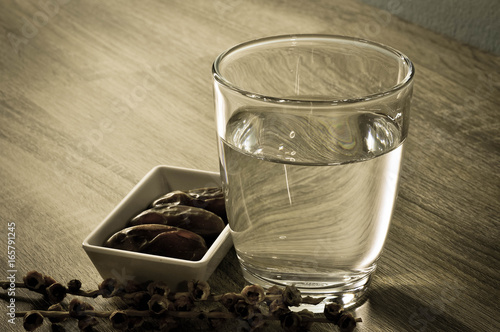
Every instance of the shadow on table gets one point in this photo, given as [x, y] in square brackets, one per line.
[25, 303]
[390, 307]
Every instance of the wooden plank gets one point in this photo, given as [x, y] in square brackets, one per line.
[95, 94]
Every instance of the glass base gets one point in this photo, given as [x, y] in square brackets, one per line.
[349, 294]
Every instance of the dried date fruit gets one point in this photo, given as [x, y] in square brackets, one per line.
[202, 222]
[159, 240]
[133, 238]
[181, 244]
[211, 199]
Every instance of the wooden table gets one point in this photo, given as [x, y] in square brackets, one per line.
[94, 94]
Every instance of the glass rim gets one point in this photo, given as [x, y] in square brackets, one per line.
[218, 77]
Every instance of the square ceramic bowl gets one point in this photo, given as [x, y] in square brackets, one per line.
[127, 265]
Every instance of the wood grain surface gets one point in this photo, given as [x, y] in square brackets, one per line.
[94, 94]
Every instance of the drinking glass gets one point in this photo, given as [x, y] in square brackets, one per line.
[311, 131]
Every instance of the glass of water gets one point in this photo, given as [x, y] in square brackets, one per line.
[311, 132]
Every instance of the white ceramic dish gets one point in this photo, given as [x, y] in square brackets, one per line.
[126, 265]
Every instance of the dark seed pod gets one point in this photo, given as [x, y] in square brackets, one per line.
[198, 290]
[277, 308]
[253, 294]
[292, 296]
[211, 199]
[32, 320]
[138, 300]
[228, 300]
[34, 280]
[77, 307]
[158, 304]
[74, 285]
[291, 322]
[56, 307]
[202, 222]
[109, 287]
[346, 322]
[333, 311]
[274, 290]
[56, 293]
[243, 309]
[132, 286]
[183, 302]
[119, 320]
[48, 280]
[158, 287]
